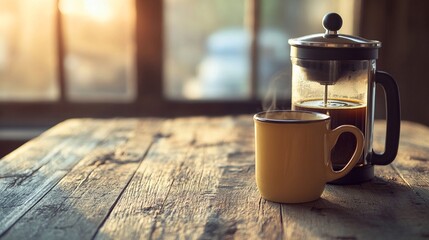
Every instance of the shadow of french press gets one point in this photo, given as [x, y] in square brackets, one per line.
[381, 207]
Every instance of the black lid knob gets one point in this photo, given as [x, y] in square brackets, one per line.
[332, 22]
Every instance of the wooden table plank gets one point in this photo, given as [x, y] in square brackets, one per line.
[138, 212]
[412, 162]
[188, 187]
[238, 210]
[79, 203]
[385, 208]
[27, 174]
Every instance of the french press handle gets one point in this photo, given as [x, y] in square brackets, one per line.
[393, 115]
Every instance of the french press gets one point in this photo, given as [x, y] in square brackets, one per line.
[336, 74]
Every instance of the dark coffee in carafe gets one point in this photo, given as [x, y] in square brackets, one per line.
[342, 112]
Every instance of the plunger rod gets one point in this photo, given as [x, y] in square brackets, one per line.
[325, 98]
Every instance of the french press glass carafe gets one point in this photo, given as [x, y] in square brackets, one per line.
[336, 74]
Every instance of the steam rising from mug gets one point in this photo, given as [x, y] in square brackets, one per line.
[278, 90]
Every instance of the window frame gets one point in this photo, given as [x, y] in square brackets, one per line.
[150, 99]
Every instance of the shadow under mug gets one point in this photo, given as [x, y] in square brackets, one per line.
[292, 154]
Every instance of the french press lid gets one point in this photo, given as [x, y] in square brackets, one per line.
[333, 46]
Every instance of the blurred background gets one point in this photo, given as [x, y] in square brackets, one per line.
[62, 59]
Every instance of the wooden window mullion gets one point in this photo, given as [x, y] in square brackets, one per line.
[253, 23]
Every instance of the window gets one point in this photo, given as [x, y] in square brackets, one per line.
[99, 49]
[206, 50]
[27, 57]
[238, 50]
[103, 58]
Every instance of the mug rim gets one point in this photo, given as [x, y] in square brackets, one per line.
[318, 117]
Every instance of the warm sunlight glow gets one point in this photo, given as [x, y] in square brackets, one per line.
[98, 44]
[99, 49]
[27, 51]
[99, 10]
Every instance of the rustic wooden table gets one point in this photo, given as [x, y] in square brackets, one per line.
[193, 178]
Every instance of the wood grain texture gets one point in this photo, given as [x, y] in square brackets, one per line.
[193, 178]
[197, 181]
[385, 208]
[80, 202]
[28, 173]
[412, 162]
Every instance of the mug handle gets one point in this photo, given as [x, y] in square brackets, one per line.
[332, 140]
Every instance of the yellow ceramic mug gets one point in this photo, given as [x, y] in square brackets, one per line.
[293, 149]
